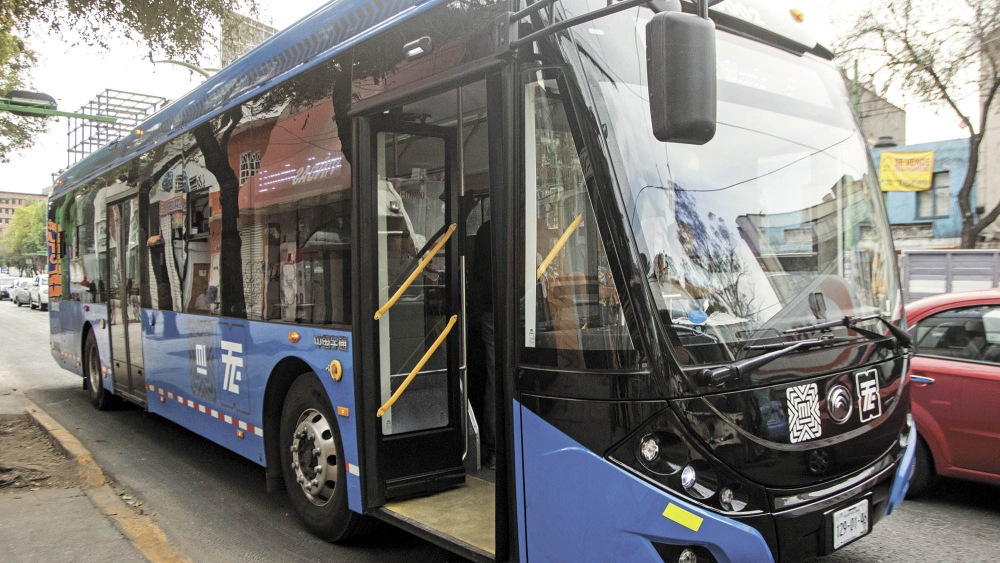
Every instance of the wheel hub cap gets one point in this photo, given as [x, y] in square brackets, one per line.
[314, 457]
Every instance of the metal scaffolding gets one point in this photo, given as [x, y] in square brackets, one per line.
[128, 108]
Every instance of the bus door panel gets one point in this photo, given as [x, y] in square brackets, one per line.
[419, 299]
[124, 306]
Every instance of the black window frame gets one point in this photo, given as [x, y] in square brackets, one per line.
[933, 194]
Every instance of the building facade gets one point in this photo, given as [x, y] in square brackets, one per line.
[879, 118]
[12, 201]
[930, 218]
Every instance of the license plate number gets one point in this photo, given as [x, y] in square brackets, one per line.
[850, 524]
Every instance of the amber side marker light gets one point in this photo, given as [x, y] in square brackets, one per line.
[797, 15]
[293, 337]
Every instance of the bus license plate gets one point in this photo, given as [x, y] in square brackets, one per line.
[850, 524]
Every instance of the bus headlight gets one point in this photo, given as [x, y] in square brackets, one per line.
[649, 450]
[699, 480]
[665, 454]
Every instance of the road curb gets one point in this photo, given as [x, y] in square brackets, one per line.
[139, 529]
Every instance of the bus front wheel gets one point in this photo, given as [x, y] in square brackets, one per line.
[312, 462]
[99, 396]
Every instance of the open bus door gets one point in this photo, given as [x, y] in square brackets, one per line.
[421, 209]
[414, 383]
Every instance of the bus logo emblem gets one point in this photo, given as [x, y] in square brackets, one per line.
[869, 402]
[803, 413]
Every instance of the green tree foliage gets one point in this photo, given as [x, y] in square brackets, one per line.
[16, 133]
[26, 233]
[178, 29]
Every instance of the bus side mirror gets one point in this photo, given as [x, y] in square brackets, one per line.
[680, 59]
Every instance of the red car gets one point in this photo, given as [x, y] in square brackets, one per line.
[956, 386]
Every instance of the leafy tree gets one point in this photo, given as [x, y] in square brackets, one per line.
[16, 133]
[930, 49]
[176, 28]
[26, 234]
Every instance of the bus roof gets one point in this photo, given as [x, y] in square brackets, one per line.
[327, 31]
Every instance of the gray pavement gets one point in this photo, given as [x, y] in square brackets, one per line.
[212, 504]
[59, 526]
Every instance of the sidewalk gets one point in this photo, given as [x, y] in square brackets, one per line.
[54, 503]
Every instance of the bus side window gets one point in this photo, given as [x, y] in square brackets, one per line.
[572, 313]
[87, 261]
[295, 199]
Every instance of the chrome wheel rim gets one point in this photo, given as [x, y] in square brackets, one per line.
[314, 457]
[94, 367]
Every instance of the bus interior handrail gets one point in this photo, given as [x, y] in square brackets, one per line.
[427, 355]
[416, 272]
[559, 245]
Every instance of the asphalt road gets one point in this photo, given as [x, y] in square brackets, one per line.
[213, 507]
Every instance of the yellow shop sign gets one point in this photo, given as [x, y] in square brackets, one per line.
[906, 171]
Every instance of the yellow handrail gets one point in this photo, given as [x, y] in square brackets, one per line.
[420, 364]
[416, 272]
[559, 244]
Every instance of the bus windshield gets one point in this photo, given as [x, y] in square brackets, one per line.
[776, 223]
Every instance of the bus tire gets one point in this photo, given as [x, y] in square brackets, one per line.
[320, 498]
[923, 470]
[99, 396]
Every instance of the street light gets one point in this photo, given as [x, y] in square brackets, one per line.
[206, 72]
[37, 104]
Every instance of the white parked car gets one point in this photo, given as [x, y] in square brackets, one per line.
[20, 294]
[6, 283]
[38, 292]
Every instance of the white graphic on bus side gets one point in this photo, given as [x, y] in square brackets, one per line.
[803, 413]
[233, 363]
[201, 360]
[869, 403]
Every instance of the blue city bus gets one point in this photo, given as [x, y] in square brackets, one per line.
[679, 341]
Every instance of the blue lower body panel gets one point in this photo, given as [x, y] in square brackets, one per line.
[210, 374]
[901, 482]
[580, 507]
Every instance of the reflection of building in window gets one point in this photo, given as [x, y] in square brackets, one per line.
[800, 235]
[249, 165]
[201, 213]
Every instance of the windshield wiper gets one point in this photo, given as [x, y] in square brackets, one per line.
[851, 322]
[722, 374]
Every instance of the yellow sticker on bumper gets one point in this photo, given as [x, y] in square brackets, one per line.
[683, 517]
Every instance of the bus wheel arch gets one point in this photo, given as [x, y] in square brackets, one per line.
[280, 381]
